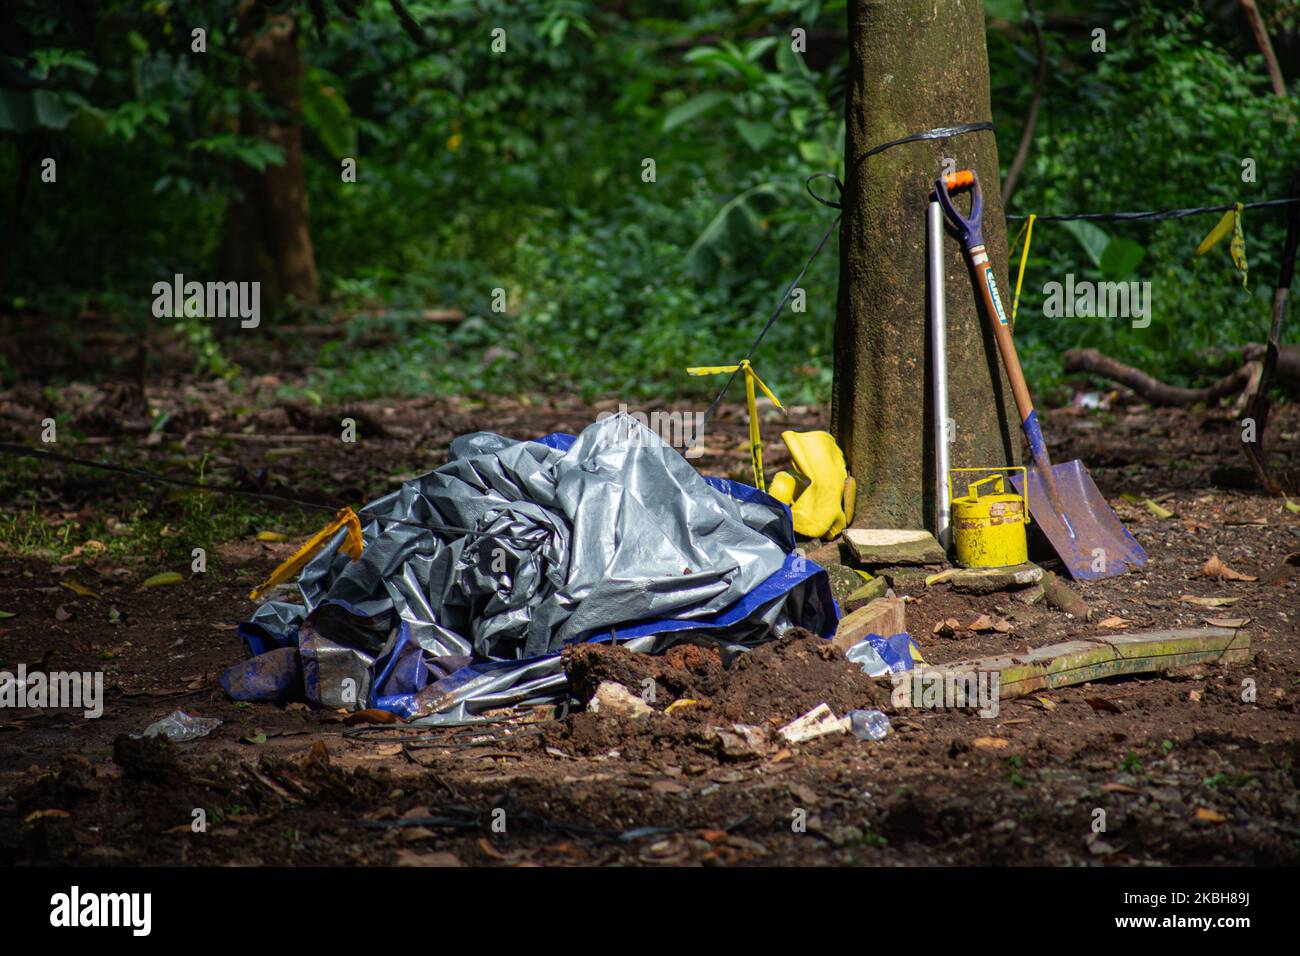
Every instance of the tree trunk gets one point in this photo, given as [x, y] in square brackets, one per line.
[267, 236]
[914, 65]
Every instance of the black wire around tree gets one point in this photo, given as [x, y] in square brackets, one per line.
[939, 132]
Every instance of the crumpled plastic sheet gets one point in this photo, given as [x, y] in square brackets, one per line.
[609, 535]
[878, 655]
[179, 727]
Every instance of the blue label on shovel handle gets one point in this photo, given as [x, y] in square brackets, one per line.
[993, 294]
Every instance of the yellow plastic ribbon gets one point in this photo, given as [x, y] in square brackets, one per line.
[1229, 223]
[751, 400]
[1027, 230]
[351, 546]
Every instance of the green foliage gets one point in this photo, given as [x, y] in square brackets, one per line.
[480, 170]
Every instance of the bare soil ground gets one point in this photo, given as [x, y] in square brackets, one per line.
[1188, 768]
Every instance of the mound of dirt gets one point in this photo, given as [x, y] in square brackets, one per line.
[774, 682]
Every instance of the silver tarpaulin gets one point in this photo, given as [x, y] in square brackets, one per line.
[611, 532]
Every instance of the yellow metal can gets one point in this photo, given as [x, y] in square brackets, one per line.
[988, 530]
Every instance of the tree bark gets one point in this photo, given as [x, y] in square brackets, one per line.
[914, 65]
[267, 237]
[1265, 46]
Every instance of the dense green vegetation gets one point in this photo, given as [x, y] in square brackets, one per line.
[523, 171]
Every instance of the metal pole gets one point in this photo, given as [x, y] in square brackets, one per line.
[939, 369]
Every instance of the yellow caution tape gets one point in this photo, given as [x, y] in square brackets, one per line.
[1229, 224]
[1027, 230]
[751, 400]
[351, 546]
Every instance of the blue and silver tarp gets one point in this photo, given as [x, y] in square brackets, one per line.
[609, 535]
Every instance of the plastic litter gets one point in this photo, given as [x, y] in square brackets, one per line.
[818, 722]
[868, 724]
[179, 727]
[878, 655]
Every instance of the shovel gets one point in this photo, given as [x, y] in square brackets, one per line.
[1082, 528]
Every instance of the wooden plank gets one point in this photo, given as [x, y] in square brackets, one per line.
[1082, 660]
[884, 615]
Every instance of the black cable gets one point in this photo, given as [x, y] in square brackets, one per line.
[939, 132]
[1153, 215]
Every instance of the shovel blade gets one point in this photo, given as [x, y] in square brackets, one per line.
[1087, 534]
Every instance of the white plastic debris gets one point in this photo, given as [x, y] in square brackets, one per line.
[179, 727]
[818, 722]
[612, 697]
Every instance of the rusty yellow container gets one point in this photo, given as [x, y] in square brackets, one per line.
[988, 523]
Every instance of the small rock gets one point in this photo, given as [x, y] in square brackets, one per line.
[1030, 595]
[905, 578]
[886, 546]
[988, 580]
[844, 581]
[869, 590]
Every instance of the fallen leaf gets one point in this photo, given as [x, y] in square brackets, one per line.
[984, 623]
[90, 547]
[1292, 507]
[1156, 510]
[1046, 703]
[1233, 622]
[271, 536]
[1119, 788]
[1246, 522]
[318, 755]
[1210, 816]
[79, 589]
[162, 579]
[667, 787]
[947, 628]
[51, 814]
[1113, 622]
[1214, 568]
[940, 577]
[1209, 601]
[415, 834]
[62, 614]
[441, 858]
[7, 614]
[257, 737]
[1101, 703]
[991, 743]
[488, 849]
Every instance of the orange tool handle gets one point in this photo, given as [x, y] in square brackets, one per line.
[962, 177]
